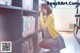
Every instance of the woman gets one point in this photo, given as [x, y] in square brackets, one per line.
[52, 39]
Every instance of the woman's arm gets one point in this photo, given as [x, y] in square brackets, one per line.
[43, 24]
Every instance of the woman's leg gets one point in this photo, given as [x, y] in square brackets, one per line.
[53, 45]
[43, 44]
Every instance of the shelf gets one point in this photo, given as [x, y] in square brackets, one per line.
[75, 34]
[77, 26]
[10, 7]
[30, 12]
[13, 23]
[33, 33]
[77, 15]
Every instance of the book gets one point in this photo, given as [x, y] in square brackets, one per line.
[40, 38]
[27, 46]
[29, 24]
[6, 2]
[28, 4]
[30, 45]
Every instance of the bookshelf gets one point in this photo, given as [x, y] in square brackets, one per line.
[10, 7]
[13, 25]
[77, 28]
[77, 24]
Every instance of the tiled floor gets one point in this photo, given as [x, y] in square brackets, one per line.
[71, 43]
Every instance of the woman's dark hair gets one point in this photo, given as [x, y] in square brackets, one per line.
[45, 6]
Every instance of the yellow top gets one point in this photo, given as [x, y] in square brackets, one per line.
[50, 25]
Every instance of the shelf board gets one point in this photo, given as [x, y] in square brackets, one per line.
[30, 12]
[77, 15]
[10, 7]
[77, 25]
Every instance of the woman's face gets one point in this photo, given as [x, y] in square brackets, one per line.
[44, 11]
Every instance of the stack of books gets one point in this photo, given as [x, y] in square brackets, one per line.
[5, 2]
[28, 4]
[29, 24]
[40, 37]
[27, 46]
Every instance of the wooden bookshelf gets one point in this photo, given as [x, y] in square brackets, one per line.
[77, 26]
[12, 16]
[10, 7]
[30, 12]
[77, 15]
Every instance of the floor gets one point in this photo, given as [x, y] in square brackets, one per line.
[71, 43]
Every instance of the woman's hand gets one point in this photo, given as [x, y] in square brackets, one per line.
[44, 18]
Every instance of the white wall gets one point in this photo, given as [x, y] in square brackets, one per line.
[64, 17]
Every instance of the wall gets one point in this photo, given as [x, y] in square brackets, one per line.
[64, 18]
